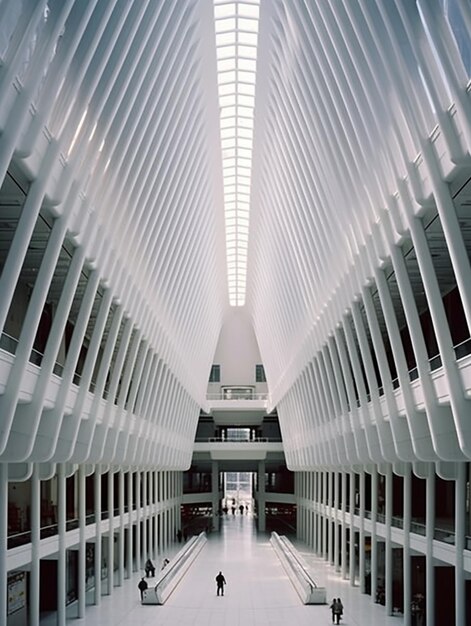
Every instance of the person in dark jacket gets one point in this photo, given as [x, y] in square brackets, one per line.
[220, 582]
[337, 610]
[142, 586]
[150, 568]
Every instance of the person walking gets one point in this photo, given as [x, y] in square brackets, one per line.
[337, 610]
[332, 607]
[220, 582]
[164, 564]
[150, 568]
[142, 586]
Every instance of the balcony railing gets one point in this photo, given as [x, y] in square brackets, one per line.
[236, 440]
[49, 530]
[249, 395]
[447, 536]
[418, 528]
[10, 344]
[397, 522]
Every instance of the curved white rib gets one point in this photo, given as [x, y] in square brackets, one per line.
[107, 107]
[362, 113]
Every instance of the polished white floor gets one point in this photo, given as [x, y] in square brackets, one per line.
[258, 592]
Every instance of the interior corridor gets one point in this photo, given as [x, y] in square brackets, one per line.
[258, 591]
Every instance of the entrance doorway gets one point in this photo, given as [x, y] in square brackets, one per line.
[238, 493]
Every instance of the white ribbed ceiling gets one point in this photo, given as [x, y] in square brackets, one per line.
[155, 128]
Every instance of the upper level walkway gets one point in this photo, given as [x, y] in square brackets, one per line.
[258, 591]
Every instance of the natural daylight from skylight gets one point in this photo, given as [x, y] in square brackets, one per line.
[236, 46]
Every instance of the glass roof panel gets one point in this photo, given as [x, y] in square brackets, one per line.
[226, 65]
[225, 90]
[244, 153]
[246, 64]
[249, 39]
[246, 122]
[228, 122]
[225, 52]
[244, 132]
[246, 24]
[229, 100]
[246, 89]
[248, 10]
[228, 111]
[246, 77]
[247, 101]
[244, 162]
[226, 10]
[228, 24]
[244, 143]
[227, 132]
[249, 52]
[236, 25]
[226, 77]
[225, 38]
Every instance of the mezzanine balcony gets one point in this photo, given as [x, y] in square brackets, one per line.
[237, 405]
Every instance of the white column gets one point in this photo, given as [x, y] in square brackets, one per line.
[305, 508]
[430, 531]
[352, 563]
[161, 515]
[324, 515]
[301, 531]
[460, 529]
[299, 515]
[312, 515]
[261, 497]
[388, 566]
[330, 536]
[129, 554]
[336, 522]
[361, 542]
[3, 540]
[110, 579]
[155, 520]
[469, 513]
[167, 511]
[82, 552]
[97, 506]
[145, 515]
[61, 556]
[173, 529]
[320, 521]
[407, 574]
[179, 499]
[315, 520]
[344, 525]
[310, 512]
[138, 521]
[215, 493]
[35, 571]
[374, 542]
[150, 514]
[121, 528]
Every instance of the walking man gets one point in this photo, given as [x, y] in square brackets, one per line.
[142, 586]
[220, 582]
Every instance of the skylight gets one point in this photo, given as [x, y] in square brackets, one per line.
[236, 46]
